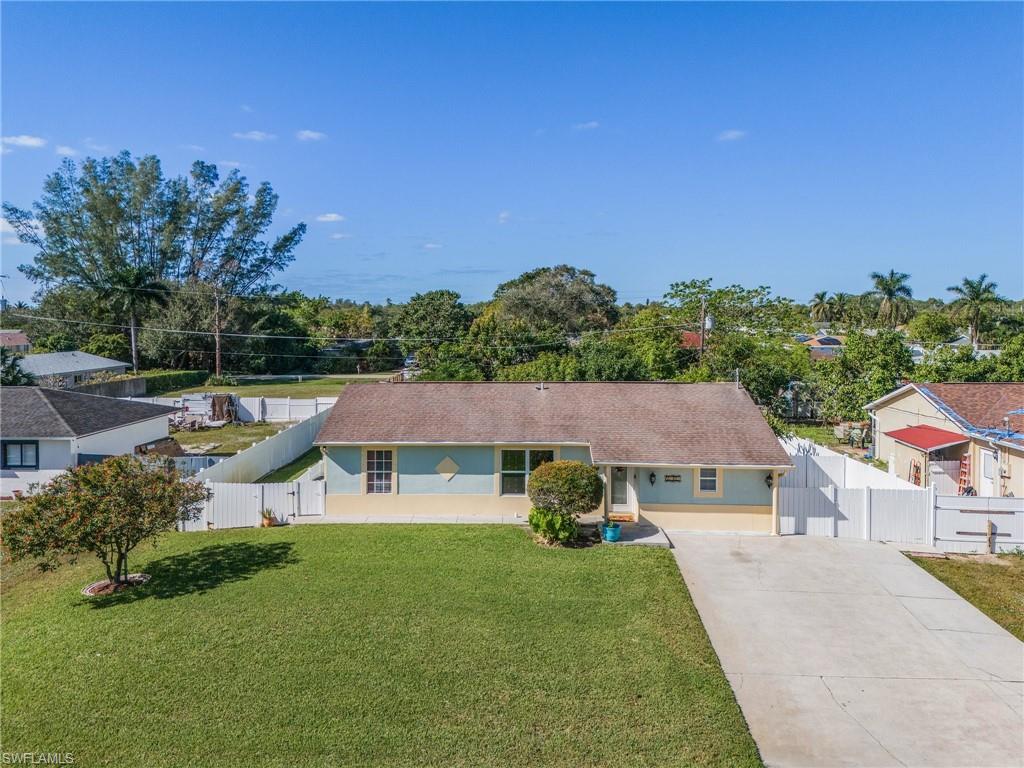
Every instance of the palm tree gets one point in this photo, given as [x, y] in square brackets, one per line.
[974, 299]
[840, 303]
[130, 291]
[894, 295]
[11, 374]
[820, 308]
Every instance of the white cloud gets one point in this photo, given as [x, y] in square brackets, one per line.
[66, 151]
[93, 145]
[330, 217]
[504, 217]
[229, 164]
[732, 134]
[5, 226]
[24, 140]
[307, 135]
[253, 135]
[341, 236]
[5, 150]
[431, 246]
[11, 241]
[590, 125]
[193, 147]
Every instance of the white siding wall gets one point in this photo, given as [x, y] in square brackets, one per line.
[55, 454]
[114, 442]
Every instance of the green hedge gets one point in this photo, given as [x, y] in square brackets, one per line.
[158, 382]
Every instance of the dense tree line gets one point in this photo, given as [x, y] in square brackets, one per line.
[126, 259]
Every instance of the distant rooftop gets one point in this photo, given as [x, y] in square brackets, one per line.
[56, 363]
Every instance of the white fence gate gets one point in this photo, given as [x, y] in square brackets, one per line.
[872, 514]
[241, 505]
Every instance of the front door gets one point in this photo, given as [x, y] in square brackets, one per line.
[988, 474]
[621, 502]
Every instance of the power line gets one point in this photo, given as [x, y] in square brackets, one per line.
[397, 339]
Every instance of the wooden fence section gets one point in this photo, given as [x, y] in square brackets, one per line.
[241, 505]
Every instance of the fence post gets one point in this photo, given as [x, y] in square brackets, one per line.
[288, 408]
[867, 513]
[931, 520]
[835, 510]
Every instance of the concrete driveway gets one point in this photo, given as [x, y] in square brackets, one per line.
[845, 653]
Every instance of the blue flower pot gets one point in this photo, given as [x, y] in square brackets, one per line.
[611, 532]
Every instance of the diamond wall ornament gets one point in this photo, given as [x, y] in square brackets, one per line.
[447, 468]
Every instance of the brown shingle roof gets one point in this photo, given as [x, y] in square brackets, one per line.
[628, 422]
[983, 405]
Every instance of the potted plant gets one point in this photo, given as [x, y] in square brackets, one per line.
[269, 519]
[610, 530]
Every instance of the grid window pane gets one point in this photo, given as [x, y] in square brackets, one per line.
[709, 480]
[378, 471]
[540, 457]
[513, 483]
[28, 455]
[513, 461]
[12, 455]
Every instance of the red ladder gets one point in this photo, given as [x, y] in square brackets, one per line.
[965, 474]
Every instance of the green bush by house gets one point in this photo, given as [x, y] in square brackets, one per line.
[561, 491]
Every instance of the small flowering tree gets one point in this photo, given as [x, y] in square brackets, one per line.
[561, 491]
[107, 509]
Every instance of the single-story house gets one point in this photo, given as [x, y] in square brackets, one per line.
[45, 431]
[68, 369]
[979, 426]
[682, 456]
[15, 340]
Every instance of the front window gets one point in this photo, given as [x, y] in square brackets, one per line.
[21, 455]
[514, 472]
[378, 471]
[708, 481]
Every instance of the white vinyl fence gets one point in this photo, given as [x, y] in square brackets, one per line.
[962, 523]
[274, 452]
[241, 505]
[251, 408]
[828, 494]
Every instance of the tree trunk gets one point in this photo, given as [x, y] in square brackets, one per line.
[135, 343]
[216, 333]
[119, 574]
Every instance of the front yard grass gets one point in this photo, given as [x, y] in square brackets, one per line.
[231, 438]
[993, 585]
[369, 645]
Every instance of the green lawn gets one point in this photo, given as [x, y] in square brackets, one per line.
[818, 434]
[292, 471]
[310, 386]
[995, 588]
[230, 438]
[369, 645]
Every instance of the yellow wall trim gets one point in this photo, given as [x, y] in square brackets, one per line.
[730, 518]
[427, 504]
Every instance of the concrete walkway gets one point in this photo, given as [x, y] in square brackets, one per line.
[845, 653]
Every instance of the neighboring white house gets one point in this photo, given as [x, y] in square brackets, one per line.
[68, 369]
[45, 431]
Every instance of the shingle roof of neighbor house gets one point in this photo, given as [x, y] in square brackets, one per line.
[13, 338]
[622, 422]
[976, 406]
[52, 363]
[30, 412]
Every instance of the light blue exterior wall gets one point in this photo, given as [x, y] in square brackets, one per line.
[342, 467]
[575, 453]
[417, 469]
[739, 486]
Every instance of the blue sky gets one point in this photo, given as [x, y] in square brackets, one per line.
[800, 146]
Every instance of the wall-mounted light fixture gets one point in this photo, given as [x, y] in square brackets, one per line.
[653, 477]
[769, 480]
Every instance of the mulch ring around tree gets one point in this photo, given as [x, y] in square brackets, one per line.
[105, 587]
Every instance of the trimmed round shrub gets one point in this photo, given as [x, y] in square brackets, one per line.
[561, 491]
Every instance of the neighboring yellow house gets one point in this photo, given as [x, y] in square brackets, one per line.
[980, 425]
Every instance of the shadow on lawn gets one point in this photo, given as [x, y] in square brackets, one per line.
[202, 570]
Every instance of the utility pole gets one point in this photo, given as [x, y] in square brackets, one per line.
[703, 321]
